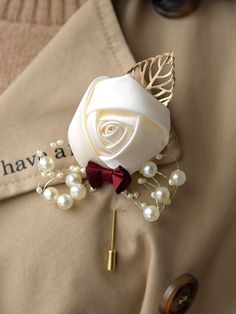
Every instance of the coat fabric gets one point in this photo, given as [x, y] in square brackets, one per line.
[52, 261]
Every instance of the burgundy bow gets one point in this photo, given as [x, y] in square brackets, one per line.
[119, 177]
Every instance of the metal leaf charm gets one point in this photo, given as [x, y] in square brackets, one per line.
[156, 74]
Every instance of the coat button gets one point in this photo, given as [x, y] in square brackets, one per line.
[175, 8]
[179, 296]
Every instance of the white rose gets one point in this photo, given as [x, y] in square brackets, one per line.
[117, 123]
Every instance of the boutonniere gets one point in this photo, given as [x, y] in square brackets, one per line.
[121, 127]
[118, 135]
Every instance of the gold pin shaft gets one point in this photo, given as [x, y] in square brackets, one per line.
[111, 257]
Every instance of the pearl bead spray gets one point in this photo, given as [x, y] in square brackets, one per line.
[162, 195]
[75, 180]
[72, 177]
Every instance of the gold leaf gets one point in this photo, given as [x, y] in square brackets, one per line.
[156, 74]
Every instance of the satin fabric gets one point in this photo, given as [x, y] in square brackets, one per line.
[118, 123]
[97, 175]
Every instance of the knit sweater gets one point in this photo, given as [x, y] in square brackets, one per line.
[26, 26]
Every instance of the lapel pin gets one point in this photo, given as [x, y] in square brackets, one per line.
[111, 256]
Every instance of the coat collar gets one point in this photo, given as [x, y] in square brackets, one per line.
[38, 107]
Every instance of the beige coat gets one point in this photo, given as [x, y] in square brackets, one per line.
[52, 261]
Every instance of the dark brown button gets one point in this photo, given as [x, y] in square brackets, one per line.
[179, 296]
[175, 8]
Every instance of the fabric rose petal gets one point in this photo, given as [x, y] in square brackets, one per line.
[118, 123]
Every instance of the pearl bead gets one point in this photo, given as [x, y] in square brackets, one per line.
[159, 157]
[53, 145]
[76, 169]
[39, 153]
[161, 194]
[39, 190]
[59, 175]
[50, 194]
[142, 180]
[71, 168]
[151, 213]
[130, 196]
[177, 178]
[78, 191]
[73, 179]
[143, 205]
[46, 163]
[149, 169]
[51, 174]
[59, 142]
[64, 201]
[83, 172]
[136, 194]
